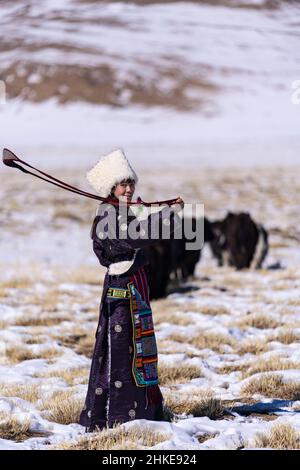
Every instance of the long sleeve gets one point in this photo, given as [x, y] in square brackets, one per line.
[129, 232]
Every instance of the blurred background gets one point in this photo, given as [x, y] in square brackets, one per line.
[174, 83]
[198, 94]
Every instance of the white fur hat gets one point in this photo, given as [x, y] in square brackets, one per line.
[110, 170]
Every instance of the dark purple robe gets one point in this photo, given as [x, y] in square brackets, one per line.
[112, 395]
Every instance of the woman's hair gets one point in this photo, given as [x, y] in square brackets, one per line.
[111, 194]
[127, 180]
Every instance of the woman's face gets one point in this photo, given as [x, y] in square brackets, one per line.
[124, 190]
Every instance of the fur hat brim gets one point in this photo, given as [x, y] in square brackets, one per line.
[109, 171]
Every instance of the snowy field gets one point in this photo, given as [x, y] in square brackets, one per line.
[228, 343]
[200, 96]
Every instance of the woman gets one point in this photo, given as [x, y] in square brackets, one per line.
[123, 382]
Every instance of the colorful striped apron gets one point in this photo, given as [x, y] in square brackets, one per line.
[144, 360]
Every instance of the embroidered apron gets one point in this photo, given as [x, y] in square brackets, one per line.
[144, 361]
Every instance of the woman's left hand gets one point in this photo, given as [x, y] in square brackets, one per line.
[180, 202]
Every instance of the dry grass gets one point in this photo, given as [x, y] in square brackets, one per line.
[253, 346]
[13, 429]
[287, 310]
[293, 302]
[212, 310]
[65, 213]
[71, 376]
[54, 298]
[162, 317]
[168, 347]
[21, 282]
[232, 280]
[227, 369]
[81, 343]
[285, 336]
[273, 386]
[28, 392]
[62, 407]
[203, 340]
[281, 285]
[86, 275]
[42, 320]
[165, 309]
[39, 339]
[180, 320]
[257, 321]
[205, 437]
[173, 319]
[41, 332]
[48, 302]
[177, 374]
[271, 364]
[196, 403]
[21, 353]
[192, 354]
[117, 438]
[70, 333]
[87, 285]
[3, 293]
[282, 437]
[3, 325]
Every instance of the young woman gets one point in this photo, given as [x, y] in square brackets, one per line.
[123, 381]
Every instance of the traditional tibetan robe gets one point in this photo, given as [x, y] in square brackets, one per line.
[123, 383]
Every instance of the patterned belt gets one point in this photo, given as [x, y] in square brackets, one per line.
[118, 293]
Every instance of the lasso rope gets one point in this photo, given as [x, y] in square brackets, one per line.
[10, 159]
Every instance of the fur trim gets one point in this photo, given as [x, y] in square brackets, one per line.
[121, 267]
[110, 170]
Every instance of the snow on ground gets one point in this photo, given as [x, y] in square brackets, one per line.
[200, 98]
[50, 289]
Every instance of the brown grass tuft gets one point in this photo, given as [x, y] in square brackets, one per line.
[86, 275]
[71, 376]
[39, 339]
[62, 213]
[258, 321]
[117, 438]
[22, 353]
[227, 369]
[270, 364]
[13, 429]
[285, 336]
[273, 386]
[42, 320]
[253, 346]
[28, 392]
[196, 403]
[62, 407]
[203, 340]
[82, 343]
[282, 437]
[21, 282]
[177, 374]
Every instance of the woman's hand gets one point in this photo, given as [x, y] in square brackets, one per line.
[179, 202]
